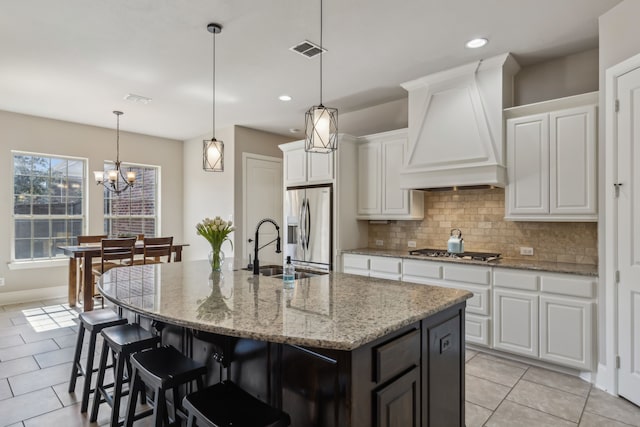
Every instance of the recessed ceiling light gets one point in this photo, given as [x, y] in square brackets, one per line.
[284, 98]
[476, 43]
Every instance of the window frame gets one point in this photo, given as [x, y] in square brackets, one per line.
[124, 165]
[51, 260]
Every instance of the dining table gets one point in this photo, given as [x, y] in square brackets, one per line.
[86, 254]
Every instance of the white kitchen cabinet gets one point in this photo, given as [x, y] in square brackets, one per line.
[566, 331]
[515, 321]
[380, 158]
[380, 267]
[551, 161]
[355, 264]
[302, 168]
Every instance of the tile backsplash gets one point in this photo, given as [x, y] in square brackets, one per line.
[480, 216]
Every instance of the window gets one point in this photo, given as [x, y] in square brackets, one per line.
[134, 211]
[48, 204]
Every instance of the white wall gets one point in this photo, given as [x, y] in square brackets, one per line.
[206, 194]
[35, 134]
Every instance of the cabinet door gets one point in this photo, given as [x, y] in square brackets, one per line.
[369, 178]
[296, 167]
[573, 161]
[528, 165]
[394, 199]
[398, 404]
[355, 264]
[515, 326]
[566, 327]
[319, 167]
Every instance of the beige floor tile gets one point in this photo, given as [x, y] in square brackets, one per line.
[5, 390]
[592, 420]
[474, 415]
[36, 380]
[557, 380]
[550, 400]
[504, 360]
[484, 393]
[33, 336]
[55, 357]
[469, 354]
[10, 341]
[14, 367]
[496, 370]
[23, 350]
[602, 403]
[69, 416]
[510, 414]
[16, 425]
[28, 405]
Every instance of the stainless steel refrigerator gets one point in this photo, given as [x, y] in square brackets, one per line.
[309, 228]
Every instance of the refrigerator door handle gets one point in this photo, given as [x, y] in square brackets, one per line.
[301, 226]
[308, 224]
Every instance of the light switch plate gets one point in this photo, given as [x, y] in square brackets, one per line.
[1, 281]
[411, 243]
[379, 242]
[526, 251]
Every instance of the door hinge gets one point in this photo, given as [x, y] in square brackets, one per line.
[617, 106]
[617, 362]
[617, 276]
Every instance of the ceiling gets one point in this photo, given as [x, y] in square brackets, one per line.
[75, 60]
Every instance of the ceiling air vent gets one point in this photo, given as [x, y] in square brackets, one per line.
[131, 97]
[307, 49]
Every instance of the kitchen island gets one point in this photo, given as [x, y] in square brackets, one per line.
[337, 350]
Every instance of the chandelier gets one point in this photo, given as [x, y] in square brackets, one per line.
[213, 149]
[113, 182]
[320, 122]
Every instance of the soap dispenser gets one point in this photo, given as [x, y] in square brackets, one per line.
[288, 274]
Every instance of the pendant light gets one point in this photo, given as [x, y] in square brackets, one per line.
[112, 183]
[213, 149]
[320, 122]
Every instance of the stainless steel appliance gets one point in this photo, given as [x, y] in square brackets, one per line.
[308, 219]
[443, 253]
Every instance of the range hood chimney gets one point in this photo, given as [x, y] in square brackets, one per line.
[456, 131]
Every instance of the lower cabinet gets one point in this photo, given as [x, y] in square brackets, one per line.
[398, 404]
[380, 267]
[515, 322]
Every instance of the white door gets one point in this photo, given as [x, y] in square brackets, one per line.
[262, 197]
[628, 131]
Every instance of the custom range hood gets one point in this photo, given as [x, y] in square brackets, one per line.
[456, 136]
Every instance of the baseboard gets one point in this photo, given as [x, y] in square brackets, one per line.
[604, 380]
[29, 295]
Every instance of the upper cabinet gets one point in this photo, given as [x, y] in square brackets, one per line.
[456, 125]
[380, 158]
[302, 168]
[551, 160]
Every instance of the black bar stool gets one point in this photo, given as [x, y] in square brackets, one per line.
[162, 369]
[94, 322]
[225, 404]
[122, 341]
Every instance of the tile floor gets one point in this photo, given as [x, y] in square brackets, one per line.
[36, 349]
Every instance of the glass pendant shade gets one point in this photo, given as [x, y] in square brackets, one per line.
[321, 129]
[212, 155]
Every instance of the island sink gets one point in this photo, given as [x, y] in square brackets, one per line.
[276, 271]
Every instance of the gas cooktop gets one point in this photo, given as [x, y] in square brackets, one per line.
[442, 253]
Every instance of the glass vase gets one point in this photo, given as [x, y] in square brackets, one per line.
[216, 259]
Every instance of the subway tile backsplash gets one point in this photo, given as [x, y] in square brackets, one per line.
[480, 216]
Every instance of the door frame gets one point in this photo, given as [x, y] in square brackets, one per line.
[245, 158]
[607, 375]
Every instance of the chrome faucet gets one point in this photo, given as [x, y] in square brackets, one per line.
[257, 247]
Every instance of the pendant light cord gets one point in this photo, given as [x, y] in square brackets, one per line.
[213, 119]
[321, 52]
[117, 140]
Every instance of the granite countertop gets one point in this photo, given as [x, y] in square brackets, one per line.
[334, 311]
[554, 267]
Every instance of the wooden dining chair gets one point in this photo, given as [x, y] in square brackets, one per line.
[154, 249]
[115, 253]
[86, 240]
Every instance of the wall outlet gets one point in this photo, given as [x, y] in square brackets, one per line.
[411, 243]
[379, 242]
[1, 281]
[526, 251]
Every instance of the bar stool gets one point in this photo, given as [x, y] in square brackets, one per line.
[121, 341]
[225, 404]
[94, 322]
[162, 369]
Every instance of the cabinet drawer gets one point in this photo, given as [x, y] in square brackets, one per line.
[568, 285]
[477, 329]
[515, 280]
[468, 274]
[386, 265]
[355, 261]
[412, 270]
[396, 356]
